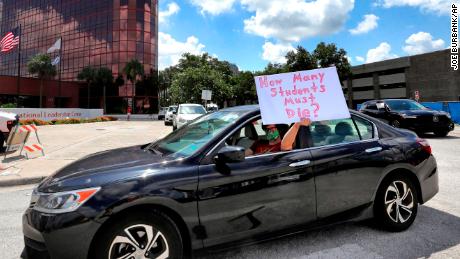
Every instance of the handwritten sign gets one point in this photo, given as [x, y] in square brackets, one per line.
[314, 94]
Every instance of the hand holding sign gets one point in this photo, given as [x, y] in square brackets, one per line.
[314, 94]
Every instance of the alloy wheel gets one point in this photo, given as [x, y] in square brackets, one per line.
[399, 202]
[139, 242]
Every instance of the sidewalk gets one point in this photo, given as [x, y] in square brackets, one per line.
[66, 143]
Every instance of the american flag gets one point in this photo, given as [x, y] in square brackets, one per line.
[10, 40]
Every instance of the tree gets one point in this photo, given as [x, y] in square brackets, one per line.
[328, 55]
[104, 78]
[41, 65]
[88, 74]
[133, 69]
[300, 59]
[244, 87]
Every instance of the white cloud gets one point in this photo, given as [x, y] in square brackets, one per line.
[214, 7]
[170, 50]
[359, 59]
[275, 53]
[173, 8]
[368, 24]
[382, 52]
[294, 20]
[436, 6]
[422, 42]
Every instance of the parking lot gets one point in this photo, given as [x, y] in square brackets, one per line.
[435, 233]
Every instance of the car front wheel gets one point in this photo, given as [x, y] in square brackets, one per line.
[396, 204]
[150, 235]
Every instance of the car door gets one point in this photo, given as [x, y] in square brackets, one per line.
[347, 164]
[261, 194]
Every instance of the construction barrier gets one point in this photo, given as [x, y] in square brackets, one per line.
[18, 138]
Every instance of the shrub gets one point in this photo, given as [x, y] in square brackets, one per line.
[34, 121]
[8, 105]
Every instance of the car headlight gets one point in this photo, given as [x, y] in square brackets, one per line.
[448, 115]
[61, 202]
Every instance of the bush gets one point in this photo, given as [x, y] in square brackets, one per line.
[34, 121]
[8, 105]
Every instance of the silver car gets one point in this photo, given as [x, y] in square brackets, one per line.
[169, 116]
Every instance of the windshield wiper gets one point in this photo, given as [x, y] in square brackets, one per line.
[151, 148]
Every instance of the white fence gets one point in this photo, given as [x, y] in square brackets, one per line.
[54, 114]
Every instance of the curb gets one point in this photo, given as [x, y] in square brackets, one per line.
[22, 181]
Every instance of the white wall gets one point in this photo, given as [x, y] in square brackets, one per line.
[51, 114]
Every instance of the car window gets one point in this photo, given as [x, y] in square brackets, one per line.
[365, 128]
[186, 109]
[403, 105]
[333, 132]
[191, 137]
[371, 106]
[253, 136]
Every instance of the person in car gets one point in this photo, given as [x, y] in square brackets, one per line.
[275, 142]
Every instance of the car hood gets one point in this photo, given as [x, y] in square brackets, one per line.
[422, 112]
[7, 115]
[100, 168]
[189, 116]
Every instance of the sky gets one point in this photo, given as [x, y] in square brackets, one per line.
[252, 33]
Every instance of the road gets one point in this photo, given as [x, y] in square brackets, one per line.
[435, 233]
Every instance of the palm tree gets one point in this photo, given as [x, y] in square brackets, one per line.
[87, 74]
[41, 65]
[104, 77]
[133, 69]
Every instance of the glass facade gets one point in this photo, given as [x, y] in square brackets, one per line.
[94, 33]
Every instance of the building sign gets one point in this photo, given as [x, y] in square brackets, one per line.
[314, 94]
[54, 114]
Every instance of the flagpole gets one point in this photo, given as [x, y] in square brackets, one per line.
[19, 65]
[59, 77]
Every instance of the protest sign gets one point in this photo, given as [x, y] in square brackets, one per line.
[288, 97]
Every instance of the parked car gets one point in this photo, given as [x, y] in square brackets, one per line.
[195, 189]
[7, 121]
[161, 113]
[169, 117]
[409, 114]
[186, 113]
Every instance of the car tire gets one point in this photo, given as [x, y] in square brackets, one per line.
[133, 234]
[166, 123]
[395, 124]
[396, 204]
[441, 133]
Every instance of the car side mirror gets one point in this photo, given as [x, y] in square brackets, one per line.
[230, 154]
[174, 112]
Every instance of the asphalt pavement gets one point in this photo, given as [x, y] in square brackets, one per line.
[435, 233]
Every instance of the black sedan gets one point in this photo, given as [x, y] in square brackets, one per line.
[408, 114]
[196, 190]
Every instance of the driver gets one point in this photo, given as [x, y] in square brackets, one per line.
[275, 143]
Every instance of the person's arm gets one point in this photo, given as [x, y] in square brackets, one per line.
[288, 140]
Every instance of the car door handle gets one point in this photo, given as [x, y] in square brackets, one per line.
[374, 149]
[301, 163]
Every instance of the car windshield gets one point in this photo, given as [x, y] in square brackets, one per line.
[192, 109]
[190, 138]
[404, 105]
[171, 109]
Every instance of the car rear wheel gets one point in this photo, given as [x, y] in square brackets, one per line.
[150, 235]
[441, 133]
[396, 204]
